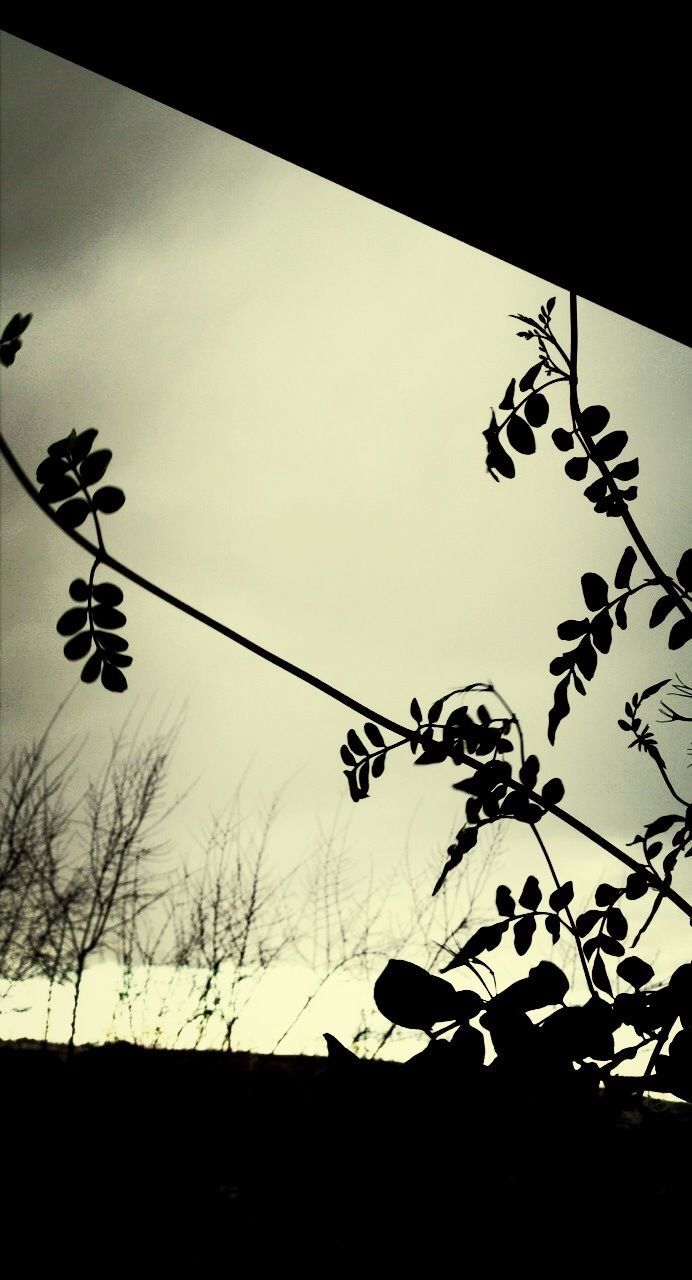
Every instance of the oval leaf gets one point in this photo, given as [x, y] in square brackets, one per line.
[610, 446]
[92, 668]
[563, 440]
[78, 646]
[108, 618]
[595, 591]
[95, 466]
[594, 419]
[576, 468]
[71, 621]
[113, 679]
[520, 435]
[624, 569]
[73, 513]
[683, 572]
[108, 593]
[108, 499]
[536, 410]
[79, 589]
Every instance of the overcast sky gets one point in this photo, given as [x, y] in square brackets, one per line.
[294, 382]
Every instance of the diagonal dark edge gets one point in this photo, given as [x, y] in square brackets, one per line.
[571, 206]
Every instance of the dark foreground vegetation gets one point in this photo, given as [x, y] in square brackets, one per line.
[231, 1149]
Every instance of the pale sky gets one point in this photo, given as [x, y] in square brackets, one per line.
[294, 382]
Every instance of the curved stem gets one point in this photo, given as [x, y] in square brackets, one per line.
[359, 707]
[367, 712]
[536, 391]
[567, 912]
[638, 539]
[546, 855]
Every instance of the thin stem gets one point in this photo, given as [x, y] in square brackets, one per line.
[638, 539]
[567, 911]
[536, 390]
[546, 855]
[359, 707]
[105, 558]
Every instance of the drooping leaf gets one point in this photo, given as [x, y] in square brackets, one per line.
[626, 470]
[616, 924]
[79, 589]
[552, 924]
[597, 490]
[594, 419]
[92, 668]
[524, 930]
[683, 572]
[621, 613]
[499, 460]
[504, 902]
[108, 640]
[112, 678]
[71, 621]
[559, 709]
[561, 898]
[94, 467]
[81, 444]
[530, 376]
[553, 791]
[409, 996]
[610, 446]
[664, 823]
[536, 410]
[573, 628]
[586, 922]
[15, 327]
[680, 633]
[595, 591]
[78, 646]
[634, 971]
[563, 662]
[599, 973]
[530, 896]
[624, 569]
[585, 658]
[576, 468]
[108, 499]
[108, 618]
[520, 435]
[73, 513]
[563, 440]
[355, 743]
[528, 773]
[602, 631]
[652, 689]
[50, 470]
[606, 895]
[58, 489]
[636, 885]
[378, 765]
[120, 659]
[108, 593]
[661, 609]
[507, 401]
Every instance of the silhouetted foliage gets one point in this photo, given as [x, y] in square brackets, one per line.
[570, 1053]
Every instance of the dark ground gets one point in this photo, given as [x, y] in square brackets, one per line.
[282, 1154]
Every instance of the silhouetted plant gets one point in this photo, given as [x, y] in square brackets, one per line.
[573, 1040]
